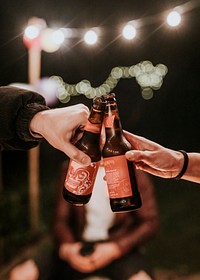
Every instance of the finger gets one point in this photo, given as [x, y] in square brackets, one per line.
[75, 154]
[147, 165]
[153, 171]
[135, 156]
[134, 140]
[140, 143]
[141, 158]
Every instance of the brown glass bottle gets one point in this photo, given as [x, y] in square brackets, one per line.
[80, 179]
[120, 174]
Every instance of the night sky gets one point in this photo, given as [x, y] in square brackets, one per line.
[172, 116]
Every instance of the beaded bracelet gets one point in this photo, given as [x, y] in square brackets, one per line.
[185, 165]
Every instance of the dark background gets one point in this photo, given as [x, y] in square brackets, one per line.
[171, 117]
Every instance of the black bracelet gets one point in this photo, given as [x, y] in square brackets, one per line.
[185, 165]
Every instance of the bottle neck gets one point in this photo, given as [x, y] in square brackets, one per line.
[95, 121]
[96, 116]
[112, 121]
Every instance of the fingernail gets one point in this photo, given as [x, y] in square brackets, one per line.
[129, 153]
[86, 160]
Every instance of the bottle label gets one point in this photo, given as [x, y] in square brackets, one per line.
[93, 127]
[109, 121]
[80, 179]
[117, 176]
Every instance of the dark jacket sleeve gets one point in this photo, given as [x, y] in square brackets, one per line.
[17, 107]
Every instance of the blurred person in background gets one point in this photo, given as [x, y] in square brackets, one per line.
[92, 241]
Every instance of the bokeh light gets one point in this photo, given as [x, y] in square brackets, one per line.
[31, 32]
[51, 40]
[91, 37]
[148, 77]
[58, 36]
[174, 18]
[129, 32]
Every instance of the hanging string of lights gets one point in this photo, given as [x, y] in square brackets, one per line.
[50, 39]
[39, 36]
[148, 77]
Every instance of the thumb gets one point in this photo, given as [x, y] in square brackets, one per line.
[77, 155]
[134, 155]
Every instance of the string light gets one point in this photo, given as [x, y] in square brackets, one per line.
[51, 40]
[148, 76]
[129, 32]
[33, 38]
[91, 37]
[31, 32]
[174, 18]
[58, 36]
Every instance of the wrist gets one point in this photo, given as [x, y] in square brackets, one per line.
[183, 166]
[35, 125]
[24, 122]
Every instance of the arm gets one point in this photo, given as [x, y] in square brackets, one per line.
[25, 120]
[193, 170]
[12, 102]
[60, 128]
[160, 161]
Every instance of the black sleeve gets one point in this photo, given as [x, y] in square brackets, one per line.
[17, 107]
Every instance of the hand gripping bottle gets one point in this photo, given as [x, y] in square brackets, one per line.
[120, 174]
[80, 179]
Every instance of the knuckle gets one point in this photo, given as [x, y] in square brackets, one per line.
[74, 154]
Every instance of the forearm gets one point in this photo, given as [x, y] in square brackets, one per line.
[193, 169]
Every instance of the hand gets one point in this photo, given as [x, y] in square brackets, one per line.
[59, 126]
[153, 158]
[141, 275]
[25, 271]
[104, 254]
[70, 252]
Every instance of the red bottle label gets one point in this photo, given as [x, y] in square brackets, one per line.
[80, 179]
[109, 121]
[93, 127]
[117, 176]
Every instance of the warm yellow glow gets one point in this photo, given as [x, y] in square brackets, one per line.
[148, 77]
[51, 40]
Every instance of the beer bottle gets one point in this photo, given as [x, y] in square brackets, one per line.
[120, 174]
[80, 179]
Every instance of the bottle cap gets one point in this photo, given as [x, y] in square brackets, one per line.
[109, 96]
[99, 103]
